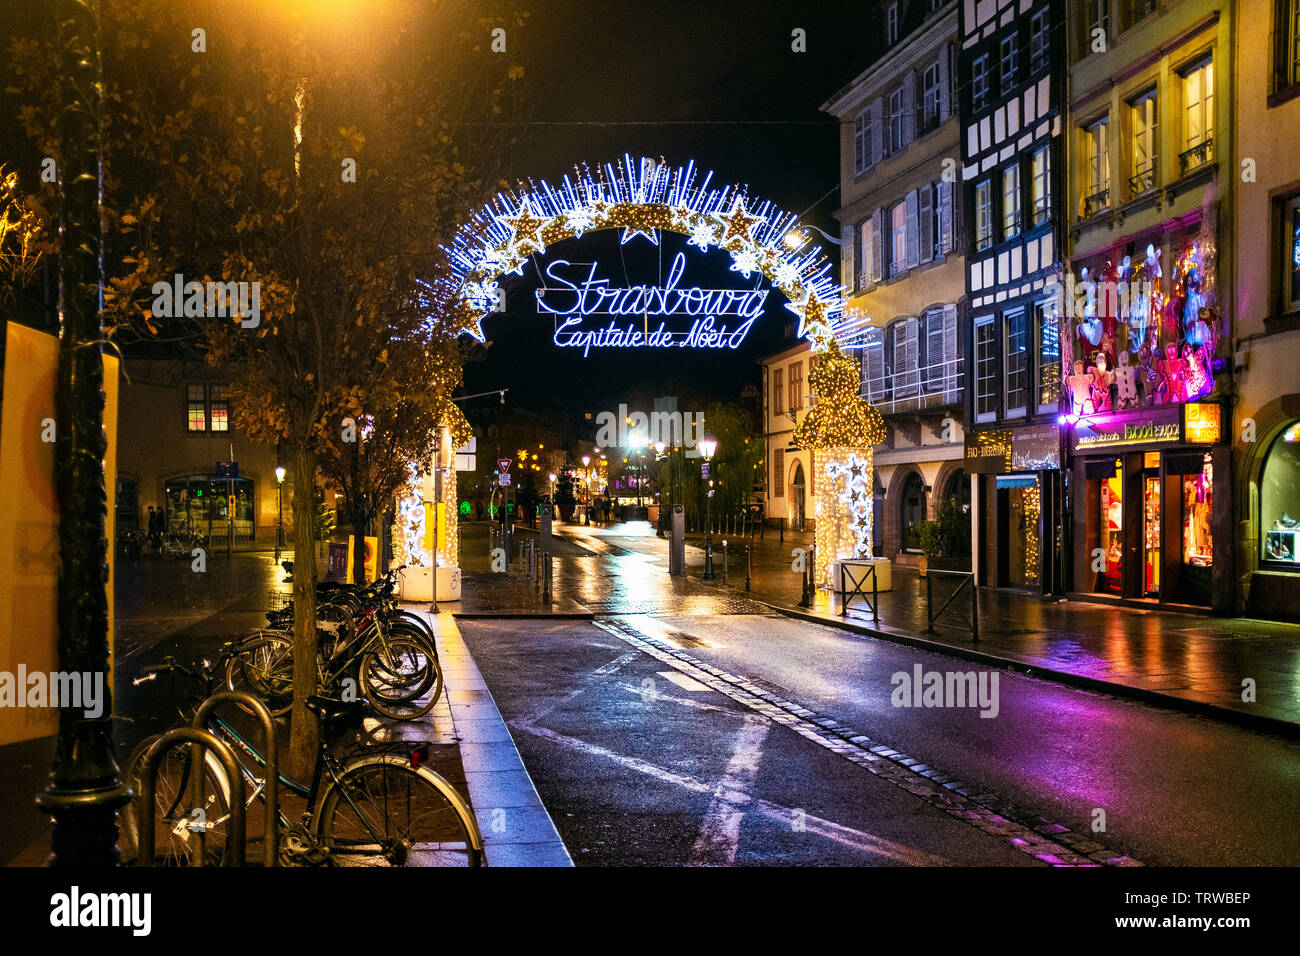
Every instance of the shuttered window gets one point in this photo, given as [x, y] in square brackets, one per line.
[778, 473]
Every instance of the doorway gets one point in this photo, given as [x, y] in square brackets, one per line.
[797, 498]
[912, 512]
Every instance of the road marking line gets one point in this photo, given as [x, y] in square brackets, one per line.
[685, 683]
[603, 671]
[646, 692]
[879, 760]
[720, 830]
[846, 836]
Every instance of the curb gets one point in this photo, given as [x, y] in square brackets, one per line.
[1273, 725]
[517, 829]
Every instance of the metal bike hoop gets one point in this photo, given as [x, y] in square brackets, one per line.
[270, 754]
[201, 739]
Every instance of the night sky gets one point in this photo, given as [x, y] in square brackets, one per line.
[713, 82]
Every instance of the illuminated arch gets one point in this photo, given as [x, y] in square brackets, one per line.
[640, 199]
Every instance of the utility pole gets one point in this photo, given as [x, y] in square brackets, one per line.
[84, 792]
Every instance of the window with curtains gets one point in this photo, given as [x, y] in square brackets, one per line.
[984, 215]
[1016, 363]
[1198, 116]
[196, 415]
[1040, 170]
[206, 409]
[796, 386]
[1289, 243]
[1096, 167]
[868, 246]
[1011, 201]
[1142, 120]
[986, 369]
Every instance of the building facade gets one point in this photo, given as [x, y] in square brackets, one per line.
[902, 263]
[1011, 147]
[1146, 342]
[1266, 309]
[790, 485]
[173, 429]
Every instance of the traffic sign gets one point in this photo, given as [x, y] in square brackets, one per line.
[503, 479]
[503, 464]
[227, 469]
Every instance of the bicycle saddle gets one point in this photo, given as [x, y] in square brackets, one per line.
[337, 714]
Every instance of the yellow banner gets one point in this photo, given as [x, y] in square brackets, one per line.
[29, 535]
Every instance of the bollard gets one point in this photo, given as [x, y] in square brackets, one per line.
[547, 563]
[749, 565]
[724, 561]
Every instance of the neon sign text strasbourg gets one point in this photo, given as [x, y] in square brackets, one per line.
[573, 302]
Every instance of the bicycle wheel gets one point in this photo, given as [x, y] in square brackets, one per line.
[401, 677]
[383, 812]
[417, 622]
[174, 818]
[264, 668]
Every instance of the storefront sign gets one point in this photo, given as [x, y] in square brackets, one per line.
[1114, 431]
[988, 453]
[1202, 422]
[580, 296]
[1036, 449]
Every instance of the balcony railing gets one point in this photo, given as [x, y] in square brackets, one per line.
[1095, 202]
[1197, 156]
[1143, 179]
[916, 389]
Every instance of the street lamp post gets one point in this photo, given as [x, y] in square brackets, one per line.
[659, 457]
[708, 445]
[279, 529]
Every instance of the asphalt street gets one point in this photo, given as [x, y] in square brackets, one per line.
[640, 765]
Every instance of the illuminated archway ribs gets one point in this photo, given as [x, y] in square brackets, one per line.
[641, 199]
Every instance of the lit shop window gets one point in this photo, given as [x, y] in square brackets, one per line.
[1279, 499]
[1198, 545]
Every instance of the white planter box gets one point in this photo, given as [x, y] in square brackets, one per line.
[416, 584]
[855, 570]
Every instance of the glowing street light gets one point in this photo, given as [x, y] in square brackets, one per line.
[708, 446]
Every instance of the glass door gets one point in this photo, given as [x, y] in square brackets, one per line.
[1112, 531]
[1151, 535]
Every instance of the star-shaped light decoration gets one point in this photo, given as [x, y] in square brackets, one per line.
[737, 223]
[811, 310]
[527, 229]
[682, 215]
[631, 232]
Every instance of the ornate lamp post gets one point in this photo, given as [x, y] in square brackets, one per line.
[708, 445]
[279, 529]
[84, 792]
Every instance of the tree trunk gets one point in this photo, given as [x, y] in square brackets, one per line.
[304, 732]
[360, 528]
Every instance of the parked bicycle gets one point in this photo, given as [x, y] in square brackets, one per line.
[362, 638]
[377, 806]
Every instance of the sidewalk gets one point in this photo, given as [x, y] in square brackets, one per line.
[1191, 662]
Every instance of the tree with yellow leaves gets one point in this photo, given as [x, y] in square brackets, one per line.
[322, 152]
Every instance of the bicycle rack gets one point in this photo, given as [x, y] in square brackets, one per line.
[270, 751]
[149, 794]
